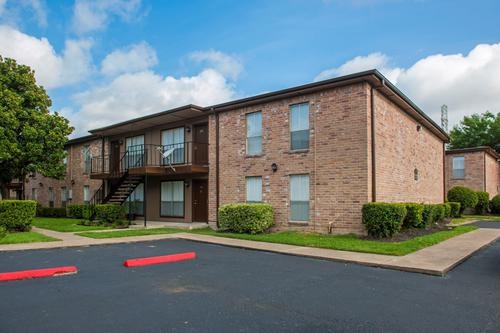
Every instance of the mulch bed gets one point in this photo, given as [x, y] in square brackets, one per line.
[406, 234]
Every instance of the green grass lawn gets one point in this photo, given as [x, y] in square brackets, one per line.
[346, 242]
[466, 218]
[130, 233]
[63, 224]
[25, 237]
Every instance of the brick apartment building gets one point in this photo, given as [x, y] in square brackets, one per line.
[315, 152]
[477, 168]
[77, 186]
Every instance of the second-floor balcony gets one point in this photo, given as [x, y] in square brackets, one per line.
[178, 158]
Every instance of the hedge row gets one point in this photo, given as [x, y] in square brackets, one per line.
[386, 219]
[17, 215]
[50, 212]
[479, 201]
[246, 218]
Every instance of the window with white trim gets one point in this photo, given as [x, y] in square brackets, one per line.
[135, 202]
[458, 167]
[299, 126]
[254, 133]
[86, 194]
[172, 199]
[134, 146]
[173, 139]
[254, 189]
[299, 197]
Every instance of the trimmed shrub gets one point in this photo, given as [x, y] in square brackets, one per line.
[17, 215]
[447, 209]
[483, 202]
[78, 211]
[413, 217]
[383, 219]
[495, 204]
[3, 231]
[109, 213]
[246, 218]
[439, 212]
[464, 195]
[428, 215]
[455, 209]
[51, 212]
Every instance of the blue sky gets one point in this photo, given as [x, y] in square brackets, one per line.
[111, 60]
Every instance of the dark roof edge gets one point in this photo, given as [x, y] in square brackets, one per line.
[180, 108]
[486, 149]
[81, 139]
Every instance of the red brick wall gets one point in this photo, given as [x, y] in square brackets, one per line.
[492, 175]
[336, 160]
[75, 173]
[400, 149]
[474, 171]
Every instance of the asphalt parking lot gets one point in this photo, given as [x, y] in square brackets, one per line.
[236, 290]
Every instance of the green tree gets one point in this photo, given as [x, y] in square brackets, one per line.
[477, 130]
[32, 138]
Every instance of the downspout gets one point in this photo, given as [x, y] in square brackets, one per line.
[484, 172]
[103, 184]
[217, 160]
[444, 172]
[373, 137]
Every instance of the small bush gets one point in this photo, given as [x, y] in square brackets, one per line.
[78, 211]
[483, 202]
[3, 231]
[428, 215]
[246, 218]
[413, 217]
[495, 204]
[439, 212]
[455, 209]
[109, 214]
[447, 209]
[383, 219]
[464, 195]
[17, 215]
[51, 212]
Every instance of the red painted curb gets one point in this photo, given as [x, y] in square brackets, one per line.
[159, 259]
[37, 273]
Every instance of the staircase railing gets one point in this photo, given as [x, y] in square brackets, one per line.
[96, 199]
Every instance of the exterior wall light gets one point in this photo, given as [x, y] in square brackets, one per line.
[274, 167]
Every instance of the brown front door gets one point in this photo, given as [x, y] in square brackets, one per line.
[200, 144]
[114, 159]
[200, 200]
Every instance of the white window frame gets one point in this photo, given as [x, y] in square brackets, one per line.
[299, 197]
[253, 186]
[458, 173]
[299, 122]
[164, 188]
[173, 138]
[254, 133]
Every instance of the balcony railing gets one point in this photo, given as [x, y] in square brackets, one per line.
[184, 153]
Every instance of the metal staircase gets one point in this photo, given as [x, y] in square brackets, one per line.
[122, 189]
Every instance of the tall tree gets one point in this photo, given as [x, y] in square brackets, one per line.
[477, 130]
[32, 138]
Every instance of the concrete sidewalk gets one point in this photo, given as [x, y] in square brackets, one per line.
[435, 260]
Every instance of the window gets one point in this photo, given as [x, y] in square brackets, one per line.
[64, 196]
[254, 133]
[34, 194]
[87, 158]
[459, 167]
[173, 140]
[134, 147]
[172, 199]
[299, 126]
[254, 189]
[136, 201]
[86, 194]
[65, 160]
[51, 197]
[299, 197]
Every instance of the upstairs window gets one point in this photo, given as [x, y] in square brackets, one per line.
[173, 140]
[254, 133]
[254, 189]
[459, 167]
[135, 151]
[299, 126]
[87, 158]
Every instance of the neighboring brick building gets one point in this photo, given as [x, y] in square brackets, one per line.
[316, 153]
[477, 168]
[76, 187]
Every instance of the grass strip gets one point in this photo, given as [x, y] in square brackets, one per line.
[62, 224]
[25, 237]
[130, 233]
[346, 242]
[467, 218]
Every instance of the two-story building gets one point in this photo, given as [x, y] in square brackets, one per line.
[315, 152]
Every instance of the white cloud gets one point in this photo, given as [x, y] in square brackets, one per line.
[91, 16]
[135, 58]
[138, 94]
[52, 70]
[12, 13]
[466, 83]
[227, 65]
